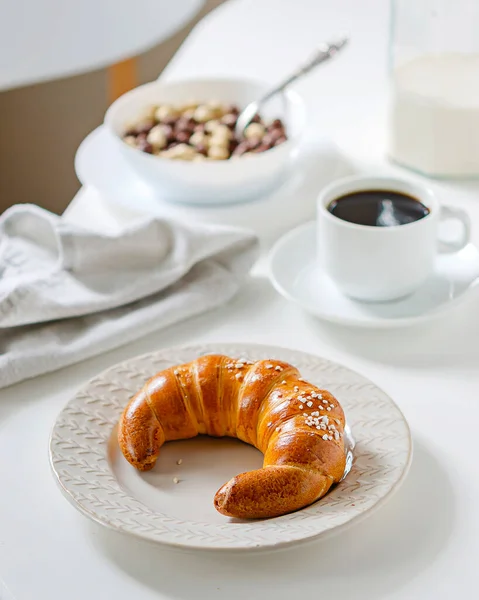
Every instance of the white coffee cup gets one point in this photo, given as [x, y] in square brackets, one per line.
[378, 264]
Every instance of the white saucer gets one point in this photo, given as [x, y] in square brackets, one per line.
[296, 275]
[99, 164]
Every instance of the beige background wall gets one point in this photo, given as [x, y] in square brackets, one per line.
[42, 126]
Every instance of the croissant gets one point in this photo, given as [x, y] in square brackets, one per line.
[298, 427]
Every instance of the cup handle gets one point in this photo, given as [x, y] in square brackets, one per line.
[447, 213]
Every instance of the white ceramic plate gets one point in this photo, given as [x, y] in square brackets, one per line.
[296, 275]
[95, 477]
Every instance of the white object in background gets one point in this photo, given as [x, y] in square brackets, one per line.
[434, 124]
[363, 146]
[298, 277]
[209, 182]
[48, 39]
[382, 263]
[153, 507]
[269, 216]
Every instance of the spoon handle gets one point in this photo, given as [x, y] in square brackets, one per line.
[324, 53]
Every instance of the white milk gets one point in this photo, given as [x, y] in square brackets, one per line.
[434, 126]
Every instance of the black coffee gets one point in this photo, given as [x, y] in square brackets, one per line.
[378, 208]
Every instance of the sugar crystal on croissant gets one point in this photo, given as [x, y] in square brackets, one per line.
[260, 403]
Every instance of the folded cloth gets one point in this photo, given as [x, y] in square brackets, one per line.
[67, 293]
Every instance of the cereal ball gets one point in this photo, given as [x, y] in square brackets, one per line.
[165, 112]
[183, 137]
[241, 149]
[222, 132]
[141, 126]
[169, 121]
[204, 113]
[270, 137]
[210, 126]
[157, 137]
[254, 130]
[179, 152]
[199, 139]
[275, 132]
[130, 140]
[233, 144]
[143, 145]
[189, 113]
[202, 149]
[199, 158]
[276, 124]
[169, 132]
[184, 124]
[253, 143]
[218, 108]
[231, 109]
[189, 105]
[215, 105]
[220, 142]
[147, 114]
[218, 152]
[261, 148]
[229, 119]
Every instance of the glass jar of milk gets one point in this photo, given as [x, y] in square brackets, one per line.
[434, 68]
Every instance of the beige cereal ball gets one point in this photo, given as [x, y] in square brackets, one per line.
[218, 152]
[157, 137]
[165, 111]
[189, 113]
[210, 126]
[254, 130]
[223, 132]
[199, 138]
[184, 152]
[189, 105]
[180, 152]
[148, 113]
[204, 113]
[199, 158]
[217, 107]
[219, 141]
[130, 140]
[215, 104]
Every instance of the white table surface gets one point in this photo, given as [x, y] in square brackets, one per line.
[424, 544]
[46, 39]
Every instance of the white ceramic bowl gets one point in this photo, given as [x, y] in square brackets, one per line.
[209, 182]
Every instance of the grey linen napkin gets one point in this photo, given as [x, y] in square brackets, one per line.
[67, 293]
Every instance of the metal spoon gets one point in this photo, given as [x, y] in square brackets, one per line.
[324, 52]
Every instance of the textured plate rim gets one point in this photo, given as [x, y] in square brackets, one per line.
[226, 347]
